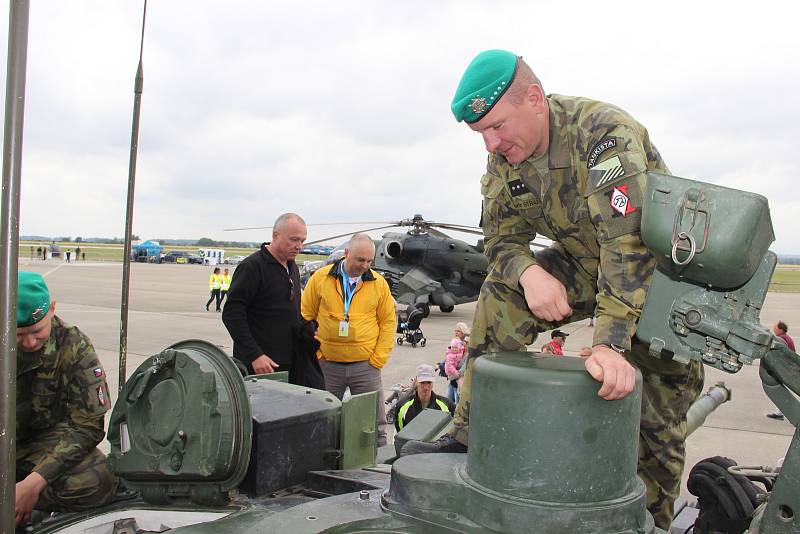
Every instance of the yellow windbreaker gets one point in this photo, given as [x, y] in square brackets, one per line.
[372, 316]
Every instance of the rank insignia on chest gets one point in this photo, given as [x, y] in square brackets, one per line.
[517, 187]
[620, 201]
[606, 172]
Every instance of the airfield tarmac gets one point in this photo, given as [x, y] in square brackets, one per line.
[167, 305]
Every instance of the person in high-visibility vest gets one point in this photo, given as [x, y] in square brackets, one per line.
[424, 398]
[214, 285]
[225, 285]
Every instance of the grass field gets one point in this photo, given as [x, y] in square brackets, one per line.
[113, 252]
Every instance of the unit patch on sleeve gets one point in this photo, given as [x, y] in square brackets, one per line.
[606, 172]
[101, 396]
[598, 148]
[620, 201]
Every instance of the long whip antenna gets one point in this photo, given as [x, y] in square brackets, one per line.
[126, 260]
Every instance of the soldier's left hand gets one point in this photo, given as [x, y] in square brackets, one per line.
[27, 495]
[613, 370]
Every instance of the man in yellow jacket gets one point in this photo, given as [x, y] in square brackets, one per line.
[355, 313]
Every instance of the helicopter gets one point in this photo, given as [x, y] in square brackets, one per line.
[424, 266]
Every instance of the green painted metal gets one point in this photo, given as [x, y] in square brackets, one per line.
[559, 447]
[707, 403]
[721, 328]
[541, 446]
[277, 376]
[182, 426]
[426, 426]
[704, 232]
[358, 432]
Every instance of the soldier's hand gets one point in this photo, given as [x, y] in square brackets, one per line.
[264, 365]
[545, 295]
[27, 495]
[609, 367]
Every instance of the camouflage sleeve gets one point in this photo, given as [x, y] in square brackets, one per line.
[88, 400]
[614, 196]
[507, 233]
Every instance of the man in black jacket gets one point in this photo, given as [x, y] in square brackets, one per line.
[262, 313]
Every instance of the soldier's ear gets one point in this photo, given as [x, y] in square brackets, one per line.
[52, 309]
[535, 95]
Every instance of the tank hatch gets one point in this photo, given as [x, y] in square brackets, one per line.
[181, 428]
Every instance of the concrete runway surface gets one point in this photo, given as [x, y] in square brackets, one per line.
[167, 304]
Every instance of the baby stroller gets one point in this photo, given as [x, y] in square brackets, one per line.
[408, 327]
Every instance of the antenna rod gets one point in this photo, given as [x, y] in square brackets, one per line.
[19, 11]
[126, 260]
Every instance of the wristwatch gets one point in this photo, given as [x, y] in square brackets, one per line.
[616, 348]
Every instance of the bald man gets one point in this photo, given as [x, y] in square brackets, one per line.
[356, 315]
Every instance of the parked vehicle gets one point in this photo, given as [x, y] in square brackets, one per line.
[176, 256]
[234, 260]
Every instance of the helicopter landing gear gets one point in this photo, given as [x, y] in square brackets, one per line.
[447, 309]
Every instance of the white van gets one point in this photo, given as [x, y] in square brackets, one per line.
[211, 256]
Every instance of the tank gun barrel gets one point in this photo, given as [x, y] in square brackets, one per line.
[705, 405]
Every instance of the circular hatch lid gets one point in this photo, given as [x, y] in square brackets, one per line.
[182, 426]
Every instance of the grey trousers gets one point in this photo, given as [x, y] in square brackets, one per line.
[360, 377]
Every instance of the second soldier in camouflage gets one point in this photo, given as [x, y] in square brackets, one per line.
[573, 170]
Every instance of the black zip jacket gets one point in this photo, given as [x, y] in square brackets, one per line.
[262, 310]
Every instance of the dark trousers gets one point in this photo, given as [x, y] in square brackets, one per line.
[222, 295]
[214, 295]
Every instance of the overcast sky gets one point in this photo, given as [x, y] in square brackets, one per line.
[340, 110]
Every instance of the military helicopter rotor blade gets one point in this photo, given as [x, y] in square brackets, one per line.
[457, 228]
[349, 233]
[393, 223]
[434, 232]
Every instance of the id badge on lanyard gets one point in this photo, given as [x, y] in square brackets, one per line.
[347, 296]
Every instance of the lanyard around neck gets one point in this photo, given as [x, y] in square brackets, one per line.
[347, 293]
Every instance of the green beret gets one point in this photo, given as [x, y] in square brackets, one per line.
[33, 298]
[483, 83]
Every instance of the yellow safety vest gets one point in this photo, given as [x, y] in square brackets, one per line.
[214, 282]
[401, 414]
[226, 282]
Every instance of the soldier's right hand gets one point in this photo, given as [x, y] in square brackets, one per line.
[264, 365]
[545, 295]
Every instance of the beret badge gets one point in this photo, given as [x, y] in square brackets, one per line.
[478, 105]
[39, 313]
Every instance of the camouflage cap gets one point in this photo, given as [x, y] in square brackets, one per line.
[33, 298]
[486, 80]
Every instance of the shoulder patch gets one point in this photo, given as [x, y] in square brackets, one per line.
[606, 172]
[598, 148]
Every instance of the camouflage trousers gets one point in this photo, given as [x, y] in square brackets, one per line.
[87, 485]
[503, 322]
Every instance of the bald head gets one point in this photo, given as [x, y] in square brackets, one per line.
[523, 78]
[283, 220]
[288, 235]
[359, 255]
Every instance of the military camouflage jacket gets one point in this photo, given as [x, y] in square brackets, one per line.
[588, 199]
[61, 389]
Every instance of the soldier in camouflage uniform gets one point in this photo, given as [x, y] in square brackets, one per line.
[573, 170]
[62, 398]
